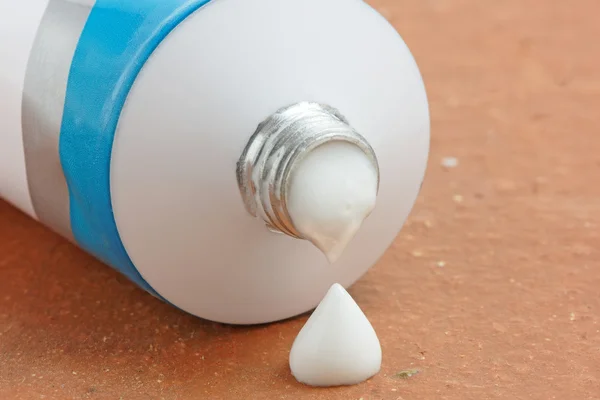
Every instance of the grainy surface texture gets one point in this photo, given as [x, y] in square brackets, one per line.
[492, 291]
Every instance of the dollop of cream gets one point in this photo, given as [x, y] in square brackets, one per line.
[332, 191]
[337, 345]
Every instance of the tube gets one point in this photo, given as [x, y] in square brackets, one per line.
[125, 127]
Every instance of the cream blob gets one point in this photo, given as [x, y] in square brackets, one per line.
[337, 345]
[331, 192]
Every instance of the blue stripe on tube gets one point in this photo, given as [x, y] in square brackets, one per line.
[118, 38]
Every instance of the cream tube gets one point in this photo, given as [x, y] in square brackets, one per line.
[164, 137]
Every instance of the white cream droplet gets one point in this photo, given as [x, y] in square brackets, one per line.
[337, 345]
[332, 191]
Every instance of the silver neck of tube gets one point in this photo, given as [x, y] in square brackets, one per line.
[281, 142]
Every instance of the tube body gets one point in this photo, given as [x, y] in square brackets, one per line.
[121, 123]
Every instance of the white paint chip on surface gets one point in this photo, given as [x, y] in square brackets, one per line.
[449, 162]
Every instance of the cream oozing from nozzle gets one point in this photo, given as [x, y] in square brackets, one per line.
[331, 191]
[308, 174]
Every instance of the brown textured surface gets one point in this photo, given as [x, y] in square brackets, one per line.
[514, 313]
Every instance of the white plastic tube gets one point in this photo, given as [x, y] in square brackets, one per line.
[122, 124]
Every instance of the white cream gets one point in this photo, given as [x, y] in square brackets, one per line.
[337, 345]
[331, 192]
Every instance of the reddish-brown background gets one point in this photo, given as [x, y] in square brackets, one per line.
[513, 314]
